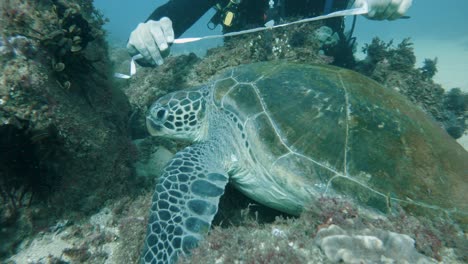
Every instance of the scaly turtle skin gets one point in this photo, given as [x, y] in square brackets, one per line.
[285, 134]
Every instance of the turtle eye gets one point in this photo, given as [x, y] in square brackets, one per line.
[161, 114]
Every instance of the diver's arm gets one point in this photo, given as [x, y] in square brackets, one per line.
[384, 9]
[152, 39]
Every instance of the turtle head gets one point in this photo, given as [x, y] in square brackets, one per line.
[178, 115]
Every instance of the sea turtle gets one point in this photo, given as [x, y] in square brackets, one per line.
[285, 134]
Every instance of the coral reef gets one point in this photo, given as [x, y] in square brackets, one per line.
[368, 246]
[62, 123]
[431, 233]
[294, 240]
[394, 67]
[326, 36]
[114, 235]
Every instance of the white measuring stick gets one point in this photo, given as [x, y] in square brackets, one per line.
[348, 12]
[132, 68]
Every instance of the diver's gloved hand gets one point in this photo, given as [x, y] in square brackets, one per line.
[384, 9]
[151, 40]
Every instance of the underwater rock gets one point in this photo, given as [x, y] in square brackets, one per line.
[326, 36]
[368, 246]
[62, 122]
[18, 46]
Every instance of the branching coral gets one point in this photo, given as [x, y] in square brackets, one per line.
[377, 50]
[429, 68]
[401, 58]
[455, 105]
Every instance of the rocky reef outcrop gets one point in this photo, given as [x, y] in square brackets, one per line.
[63, 125]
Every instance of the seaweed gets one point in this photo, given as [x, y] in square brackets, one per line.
[24, 171]
[429, 68]
[402, 58]
[394, 67]
[61, 31]
[377, 50]
[456, 101]
[455, 104]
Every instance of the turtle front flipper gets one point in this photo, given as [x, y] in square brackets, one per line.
[184, 204]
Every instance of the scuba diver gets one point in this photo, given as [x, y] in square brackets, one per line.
[153, 38]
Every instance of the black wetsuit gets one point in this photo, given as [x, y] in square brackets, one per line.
[251, 13]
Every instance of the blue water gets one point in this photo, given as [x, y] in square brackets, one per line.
[438, 29]
[430, 18]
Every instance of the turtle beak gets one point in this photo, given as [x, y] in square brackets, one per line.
[153, 128]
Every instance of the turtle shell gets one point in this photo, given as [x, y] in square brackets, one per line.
[330, 128]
